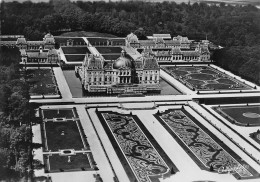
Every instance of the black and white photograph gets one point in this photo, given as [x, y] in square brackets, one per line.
[129, 90]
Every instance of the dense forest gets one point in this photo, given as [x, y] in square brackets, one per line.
[236, 28]
[15, 117]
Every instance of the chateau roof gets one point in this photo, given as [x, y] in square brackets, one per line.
[94, 62]
[163, 36]
[36, 54]
[147, 42]
[132, 38]
[35, 42]
[52, 52]
[176, 50]
[204, 50]
[182, 39]
[48, 35]
[49, 40]
[108, 65]
[123, 62]
[172, 42]
[190, 53]
[150, 63]
[21, 41]
[159, 40]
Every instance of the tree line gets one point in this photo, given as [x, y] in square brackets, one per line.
[15, 117]
[233, 27]
[224, 25]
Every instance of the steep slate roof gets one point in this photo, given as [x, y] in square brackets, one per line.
[163, 36]
[172, 43]
[35, 43]
[176, 50]
[94, 62]
[204, 50]
[52, 52]
[108, 65]
[159, 40]
[190, 53]
[147, 43]
[49, 40]
[132, 38]
[150, 63]
[21, 41]
[36, 54]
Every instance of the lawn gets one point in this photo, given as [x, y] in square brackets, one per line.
[201, 145]
[57, 113]
[86, 34]
[77, 162]
[204, 78]
[63, 40]
[75, 58]
[41, 81]
[98, 41]
[141, 156]
[111, 56]
[241, 115]
[63, 135]
[109, 50]
[75, 50]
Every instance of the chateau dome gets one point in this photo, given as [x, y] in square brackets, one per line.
[122, 62]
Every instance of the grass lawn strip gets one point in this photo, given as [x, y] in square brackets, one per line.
[196, 139]
[70, 139]
[58, 113]
[136, 150]
[58, 163]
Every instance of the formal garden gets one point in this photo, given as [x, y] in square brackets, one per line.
[204, 78]
[64, 142]
[42, 82]
[207, 150]
[140, 154]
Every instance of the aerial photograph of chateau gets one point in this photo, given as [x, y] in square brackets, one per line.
[130, 91]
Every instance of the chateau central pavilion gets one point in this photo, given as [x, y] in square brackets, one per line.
[121, 76]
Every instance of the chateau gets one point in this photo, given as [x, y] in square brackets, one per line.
[124, 75]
